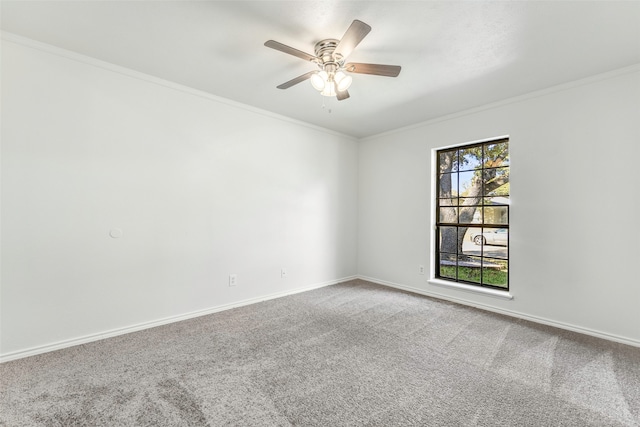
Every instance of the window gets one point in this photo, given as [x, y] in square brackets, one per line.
[472, 214]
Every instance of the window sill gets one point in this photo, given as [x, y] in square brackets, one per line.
[470, 288]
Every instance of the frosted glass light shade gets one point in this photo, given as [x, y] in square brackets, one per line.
[342, 81]
[319, 80]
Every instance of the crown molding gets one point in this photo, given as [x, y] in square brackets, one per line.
[87, 60]
[514, 100]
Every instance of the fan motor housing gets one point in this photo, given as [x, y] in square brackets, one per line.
[325, 49]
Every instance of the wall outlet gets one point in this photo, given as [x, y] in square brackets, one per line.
[421, 269]
[233, 279]
[283, 273]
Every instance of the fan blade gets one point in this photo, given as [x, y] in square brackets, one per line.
[342, 95]
[354, 35]
[297, 80]
[375, 69]
[288, 49]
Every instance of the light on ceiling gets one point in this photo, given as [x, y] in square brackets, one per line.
[342, 81]
[328, 83]
[319, 80]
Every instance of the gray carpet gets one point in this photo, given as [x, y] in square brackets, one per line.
[349, 354]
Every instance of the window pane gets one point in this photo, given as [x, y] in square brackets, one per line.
[470, 201]
[448, 240]
[471, 215]
[470, 158]
[496, 155]
[448, 186]
[449, 201]
[448, 265]
[495, 242]
[448, 161]
[496, 182]
[466, 182]
[496, 215]
[469, 247]
[469, 269]
[495, 272]
[494, 201]
[448, 215]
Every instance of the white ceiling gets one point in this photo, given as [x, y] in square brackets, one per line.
[454, 55]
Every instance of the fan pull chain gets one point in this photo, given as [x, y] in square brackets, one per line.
[324, 107]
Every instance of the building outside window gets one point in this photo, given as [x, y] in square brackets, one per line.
[472, 214]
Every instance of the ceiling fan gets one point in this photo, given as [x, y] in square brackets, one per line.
[330, 56]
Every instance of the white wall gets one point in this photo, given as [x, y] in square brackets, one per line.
[201, 188]
[575, 156]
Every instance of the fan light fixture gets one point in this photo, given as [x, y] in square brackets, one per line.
[319, 80]
[330, 56]
[342, 81]
[328, 84]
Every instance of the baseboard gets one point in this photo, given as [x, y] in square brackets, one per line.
[172, 319]
[535, 319]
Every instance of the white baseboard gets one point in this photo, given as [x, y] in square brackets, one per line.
[172, 319]
[536, 319]
[147, 325]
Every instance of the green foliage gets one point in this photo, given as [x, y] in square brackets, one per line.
[503, 190]
[472, 274]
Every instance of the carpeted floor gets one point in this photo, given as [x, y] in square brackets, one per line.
[349, 354]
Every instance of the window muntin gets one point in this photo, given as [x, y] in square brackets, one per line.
[472, 214]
